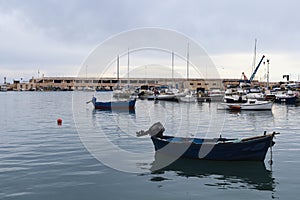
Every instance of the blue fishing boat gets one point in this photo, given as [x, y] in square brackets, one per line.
[222, 149]
[287, 99]
[114, 105]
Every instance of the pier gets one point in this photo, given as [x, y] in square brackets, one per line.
[108, 83]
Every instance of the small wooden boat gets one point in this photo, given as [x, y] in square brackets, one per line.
[114, 105]
[223, 149]
[251, 104]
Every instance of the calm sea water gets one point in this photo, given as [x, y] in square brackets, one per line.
[95, 154]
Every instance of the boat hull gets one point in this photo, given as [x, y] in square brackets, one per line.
[263, 105]
[163, 97]
[253, 149]
[187, 99]
[115, 105]
[286, 100]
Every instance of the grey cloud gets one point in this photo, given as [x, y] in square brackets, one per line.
[65, 31]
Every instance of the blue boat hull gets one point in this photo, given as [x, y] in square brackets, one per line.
[252, 149]
[286, 100]
[114, 105]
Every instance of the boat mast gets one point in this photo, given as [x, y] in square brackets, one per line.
[173, 69]
[254, 55]
[128, 67]
[187, 62]
[118, 69]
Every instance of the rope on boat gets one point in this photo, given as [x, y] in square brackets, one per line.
[271, 149]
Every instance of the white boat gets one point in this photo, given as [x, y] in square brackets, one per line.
[163, 97]
[251, 104]
[258, 96]
[235, 95]
[122, 94]
[3, 87]
[215, 95]
[187, 98]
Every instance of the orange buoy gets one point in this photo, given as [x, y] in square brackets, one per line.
[59, 121]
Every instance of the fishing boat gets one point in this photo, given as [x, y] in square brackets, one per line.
[222, 149]
[3, 87]
[287, 98]
[114, 105]
[189, 98]
[251, 104]
[215, 95]
[235, 95]
[165, 95]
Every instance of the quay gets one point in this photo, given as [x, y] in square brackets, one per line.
[109, 83]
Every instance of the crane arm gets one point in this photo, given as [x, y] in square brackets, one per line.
[254, 72]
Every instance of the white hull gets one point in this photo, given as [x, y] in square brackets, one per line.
[250, 105]
[121, 94]
[187, 99]
[163, 97]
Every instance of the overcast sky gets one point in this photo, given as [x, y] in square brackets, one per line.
[56, 36]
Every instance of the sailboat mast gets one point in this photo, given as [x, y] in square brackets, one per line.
[173, 85]
[128, 67]
[187, 61]
[254, 55]
[172, 65]
[118, 68]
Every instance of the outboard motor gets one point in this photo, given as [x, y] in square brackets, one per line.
[156, 129]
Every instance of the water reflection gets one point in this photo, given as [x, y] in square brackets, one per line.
[268, 113]
[243, 174]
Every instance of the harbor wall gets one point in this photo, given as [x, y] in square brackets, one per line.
[92, 83]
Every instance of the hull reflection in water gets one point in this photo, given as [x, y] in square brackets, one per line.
[225, 174]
